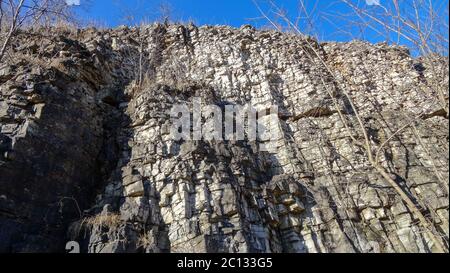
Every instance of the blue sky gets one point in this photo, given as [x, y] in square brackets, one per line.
[223, 12]
[329, 25]
[235, 13]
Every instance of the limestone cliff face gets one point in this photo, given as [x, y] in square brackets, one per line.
[86, 154]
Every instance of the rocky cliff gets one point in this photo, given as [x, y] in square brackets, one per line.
[86, 153]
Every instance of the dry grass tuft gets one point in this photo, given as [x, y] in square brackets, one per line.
[110, 221]
[145, 240]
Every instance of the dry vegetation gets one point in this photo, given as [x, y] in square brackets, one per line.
[110, 221]
[19, 14]
[418, 24]
[145, 240]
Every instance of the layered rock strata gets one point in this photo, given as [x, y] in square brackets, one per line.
[86, 152]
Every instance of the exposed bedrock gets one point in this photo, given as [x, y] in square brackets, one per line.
[86, 153]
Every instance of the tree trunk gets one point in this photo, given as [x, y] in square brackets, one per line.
[12, 28]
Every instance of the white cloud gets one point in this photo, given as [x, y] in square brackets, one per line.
[376, 3]
[373, 2]
[73, 2]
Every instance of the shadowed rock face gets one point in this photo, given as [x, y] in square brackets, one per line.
[86, 155]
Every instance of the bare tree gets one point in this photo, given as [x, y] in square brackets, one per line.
[420, 24]
[14, 25]
[20, 12]
[366, 144]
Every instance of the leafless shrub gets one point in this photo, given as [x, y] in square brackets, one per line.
[15, 14]
[111, 221]
[145, 240]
